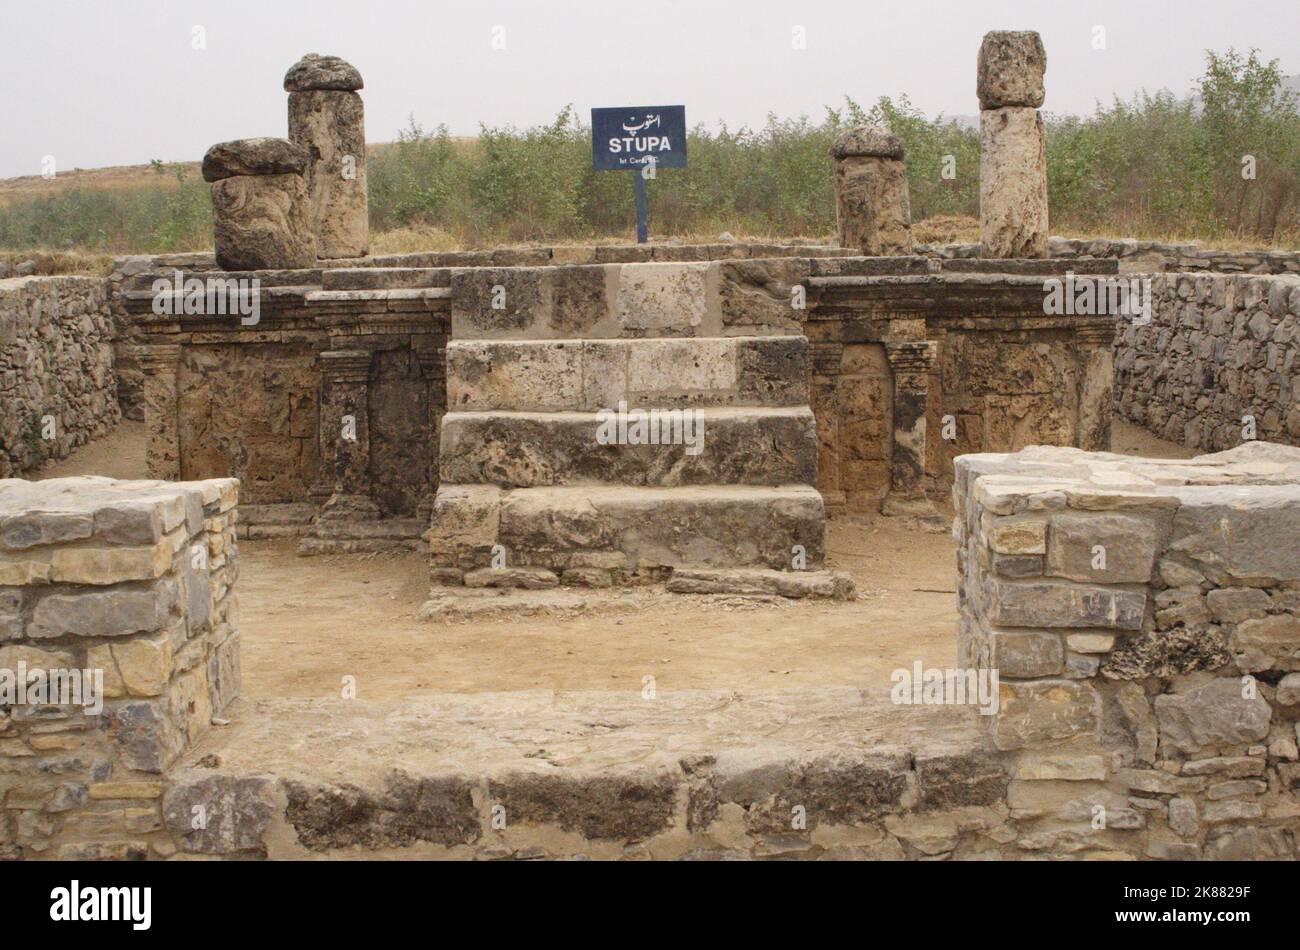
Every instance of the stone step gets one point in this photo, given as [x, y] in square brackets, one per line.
[384, 278]
[725, 446]
[590, 375]
[626, 529]
[851, 756]
[833, 585]
[645, 300]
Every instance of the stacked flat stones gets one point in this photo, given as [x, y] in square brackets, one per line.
[261, 217]
[327, 118]
[1013, 156]
[524, 476]
[872, 203]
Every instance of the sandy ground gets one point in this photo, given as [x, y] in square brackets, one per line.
[308, 622]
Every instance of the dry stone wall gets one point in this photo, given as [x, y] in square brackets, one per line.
[117, 596]
[1218, 364]
[1146, 257]
[1144, 618]
[57, 388]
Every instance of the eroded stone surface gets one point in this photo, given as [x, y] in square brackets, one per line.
[1010, 69]
[262, 222]
[259, 156]
[315, 71]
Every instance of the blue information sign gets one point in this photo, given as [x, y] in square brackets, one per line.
[632, 136]
[642, 139]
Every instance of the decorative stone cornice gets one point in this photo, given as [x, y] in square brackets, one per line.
[346, 366]
[912, 356]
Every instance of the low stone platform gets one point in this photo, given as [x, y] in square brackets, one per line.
[720, 774]
[628, 531]
[742, 446]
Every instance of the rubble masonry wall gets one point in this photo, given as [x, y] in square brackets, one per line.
[1144, 617]
[1219, 362]
[130, 582]
[57, 386]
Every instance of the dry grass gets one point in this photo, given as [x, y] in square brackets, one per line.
[116, 178]
[49, 261]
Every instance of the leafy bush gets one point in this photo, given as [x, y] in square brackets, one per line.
[1154, 166]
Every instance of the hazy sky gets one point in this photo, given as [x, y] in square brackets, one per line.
[112, 82]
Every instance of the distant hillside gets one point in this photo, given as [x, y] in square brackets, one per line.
[123, 177]
[114, 178]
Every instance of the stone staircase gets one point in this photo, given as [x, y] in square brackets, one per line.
[540, 484]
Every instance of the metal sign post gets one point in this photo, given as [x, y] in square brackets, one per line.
[642, 221]
[632, 137]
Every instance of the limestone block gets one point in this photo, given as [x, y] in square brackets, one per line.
[405, 810]
[1127, 548]
[33, 528]
[315, 71]
[1288, 690]
[465, 525]
[143, 734]
[719, 446]
[1267, 643]
[1016, 535]
[1235, 604]
[872, 201]
[690, 526]
[1231, 540]
[238, 811]
[527, 578]
[110, 565]
[259, 156]
[1023, 654]
[758, 295]
[947, 780]
[1058, 604]
[262, 222]
[1031, 713]
[225, 676]
[606, 806]
[662, 299]
[1209, 716]
[1183, 818]
[331, 125]
[500, 303]
[1013, 183]
[1010, 69]
[139, 666]
[833, 789]
[118, 611]
[590, 375]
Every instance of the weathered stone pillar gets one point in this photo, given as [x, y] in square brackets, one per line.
[159, 363]
[825, 359]
[1096, 360]
[261, 218]
[433, 364]
[345, 433]
[872, 202]
[326, 116]
[1013, 156]
[910, 361]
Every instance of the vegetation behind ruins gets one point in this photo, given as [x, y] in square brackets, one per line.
[1156, 166]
